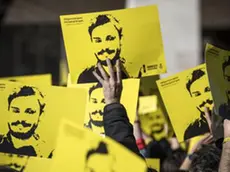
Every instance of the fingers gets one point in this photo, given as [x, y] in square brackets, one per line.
[118, 67]
[98, 77]
[207, 139]
[102, 71]
[208, 118]
[111, 72]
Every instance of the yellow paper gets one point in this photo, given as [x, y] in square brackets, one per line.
[153, 164]
[130, 35]
[13, 161]
[45, 79]
[81, 150]
[148, 88]
[30, 116]
[185, 95]
[155, 125]
[96, 103]
[35, 164]
[24, 163]
[218, 67]
[147, 104]
[152, 118]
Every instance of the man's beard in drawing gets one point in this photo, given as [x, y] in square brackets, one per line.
[94, 122]
[108, 51]
[21, 135]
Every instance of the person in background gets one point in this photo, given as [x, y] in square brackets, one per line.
[225, 158]
[138, 133]
[154, 149]
[173, 162]
[139, 137]
[206, 159]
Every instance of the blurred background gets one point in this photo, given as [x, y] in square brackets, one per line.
[31, 39]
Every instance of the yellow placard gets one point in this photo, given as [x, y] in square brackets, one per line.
[153, 164]
[158, 118]
[30, 116]
[130, 35]
[35, 164]
[152, 118]
[24, 163]
[96, 103]
[218, 67]
[80, 150]
[155, 125]
[147, 104]
[45, 79]
[185, 95]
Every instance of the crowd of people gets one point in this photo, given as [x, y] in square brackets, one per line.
[205, 155]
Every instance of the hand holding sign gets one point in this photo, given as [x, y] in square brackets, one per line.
[112, 85]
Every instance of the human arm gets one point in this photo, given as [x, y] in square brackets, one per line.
[197, 143]
[201, 140]
[116, 121]
[139, 136]
[225, 157]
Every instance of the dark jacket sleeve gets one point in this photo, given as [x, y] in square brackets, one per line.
[118, 127]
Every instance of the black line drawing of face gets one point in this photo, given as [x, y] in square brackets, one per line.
[158, 126]
[96, 105]
[199, 90]
[25, 108]
[100, 154]
[155, 122]
[106, 35]
[226, 74]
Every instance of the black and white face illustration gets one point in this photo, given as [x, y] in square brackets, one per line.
[25, 108]
[226, 74]
[153, 124]
[96, 105]
[94, 157]
[199, 90]
[106, 34]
